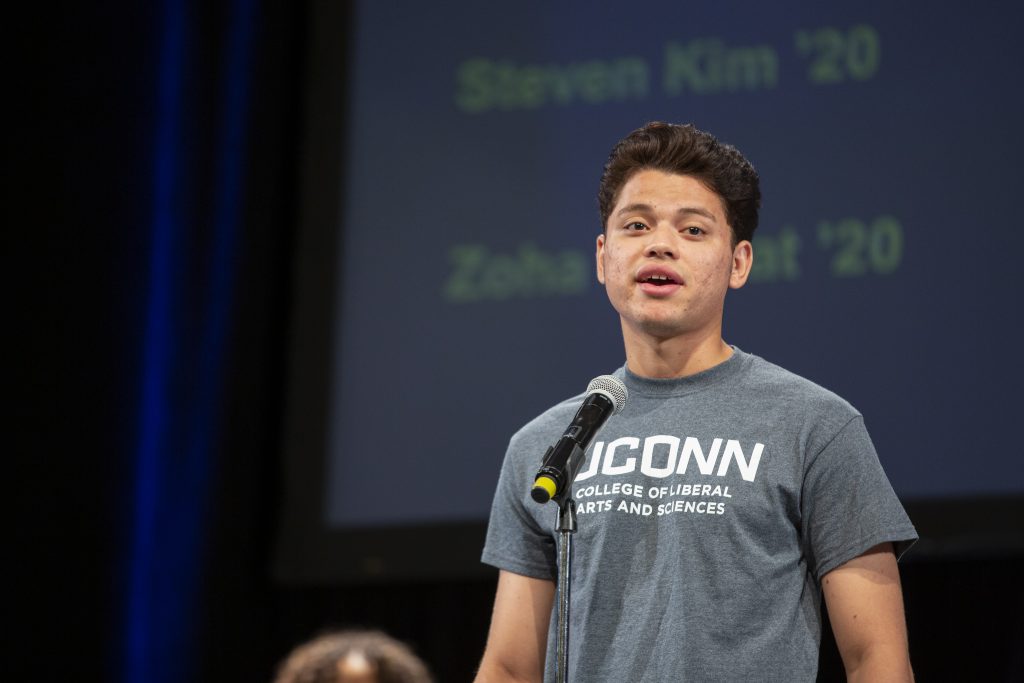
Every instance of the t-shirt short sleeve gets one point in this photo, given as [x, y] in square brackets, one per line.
[516, 540]
[848, 504]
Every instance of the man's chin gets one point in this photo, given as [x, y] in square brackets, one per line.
[661, 329]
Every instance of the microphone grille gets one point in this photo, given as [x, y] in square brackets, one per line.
[612, 387]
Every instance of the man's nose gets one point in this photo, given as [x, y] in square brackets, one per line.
[659, 246]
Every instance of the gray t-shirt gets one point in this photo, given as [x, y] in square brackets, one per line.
[709, 509]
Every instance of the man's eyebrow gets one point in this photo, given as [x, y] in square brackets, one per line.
[646, 208]
[634, 208]
[697, 210]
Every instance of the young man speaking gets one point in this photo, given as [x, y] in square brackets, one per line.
[726, 498]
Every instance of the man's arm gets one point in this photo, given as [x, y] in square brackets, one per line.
[865, 608]
[517, 640]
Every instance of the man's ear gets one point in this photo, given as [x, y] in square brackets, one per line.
[600, 258]
[742, 262]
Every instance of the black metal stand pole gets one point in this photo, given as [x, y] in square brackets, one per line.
[566, 528]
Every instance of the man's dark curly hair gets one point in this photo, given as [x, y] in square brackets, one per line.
[685, 150]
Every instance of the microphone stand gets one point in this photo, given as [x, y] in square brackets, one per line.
[566, 528]
[606, 395]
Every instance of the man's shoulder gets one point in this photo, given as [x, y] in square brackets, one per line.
[776, 383]
[535, 436]
[555, 418]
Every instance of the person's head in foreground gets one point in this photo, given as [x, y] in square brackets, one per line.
[353, 657]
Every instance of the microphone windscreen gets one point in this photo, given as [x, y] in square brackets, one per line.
[612, 387]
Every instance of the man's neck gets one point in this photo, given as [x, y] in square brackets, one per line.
[679, 356]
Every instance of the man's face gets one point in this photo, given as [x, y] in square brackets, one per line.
[667, 258]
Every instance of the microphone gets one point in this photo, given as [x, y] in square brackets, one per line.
[606, 396]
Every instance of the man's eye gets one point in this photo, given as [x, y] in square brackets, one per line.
[636, 225]
[694, 230]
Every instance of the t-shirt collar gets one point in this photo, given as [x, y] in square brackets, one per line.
[677, 386]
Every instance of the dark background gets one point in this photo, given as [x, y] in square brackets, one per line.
[403, 388]
[82, 202]
[876, 129]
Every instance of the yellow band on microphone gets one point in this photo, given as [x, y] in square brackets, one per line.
[546, 483]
